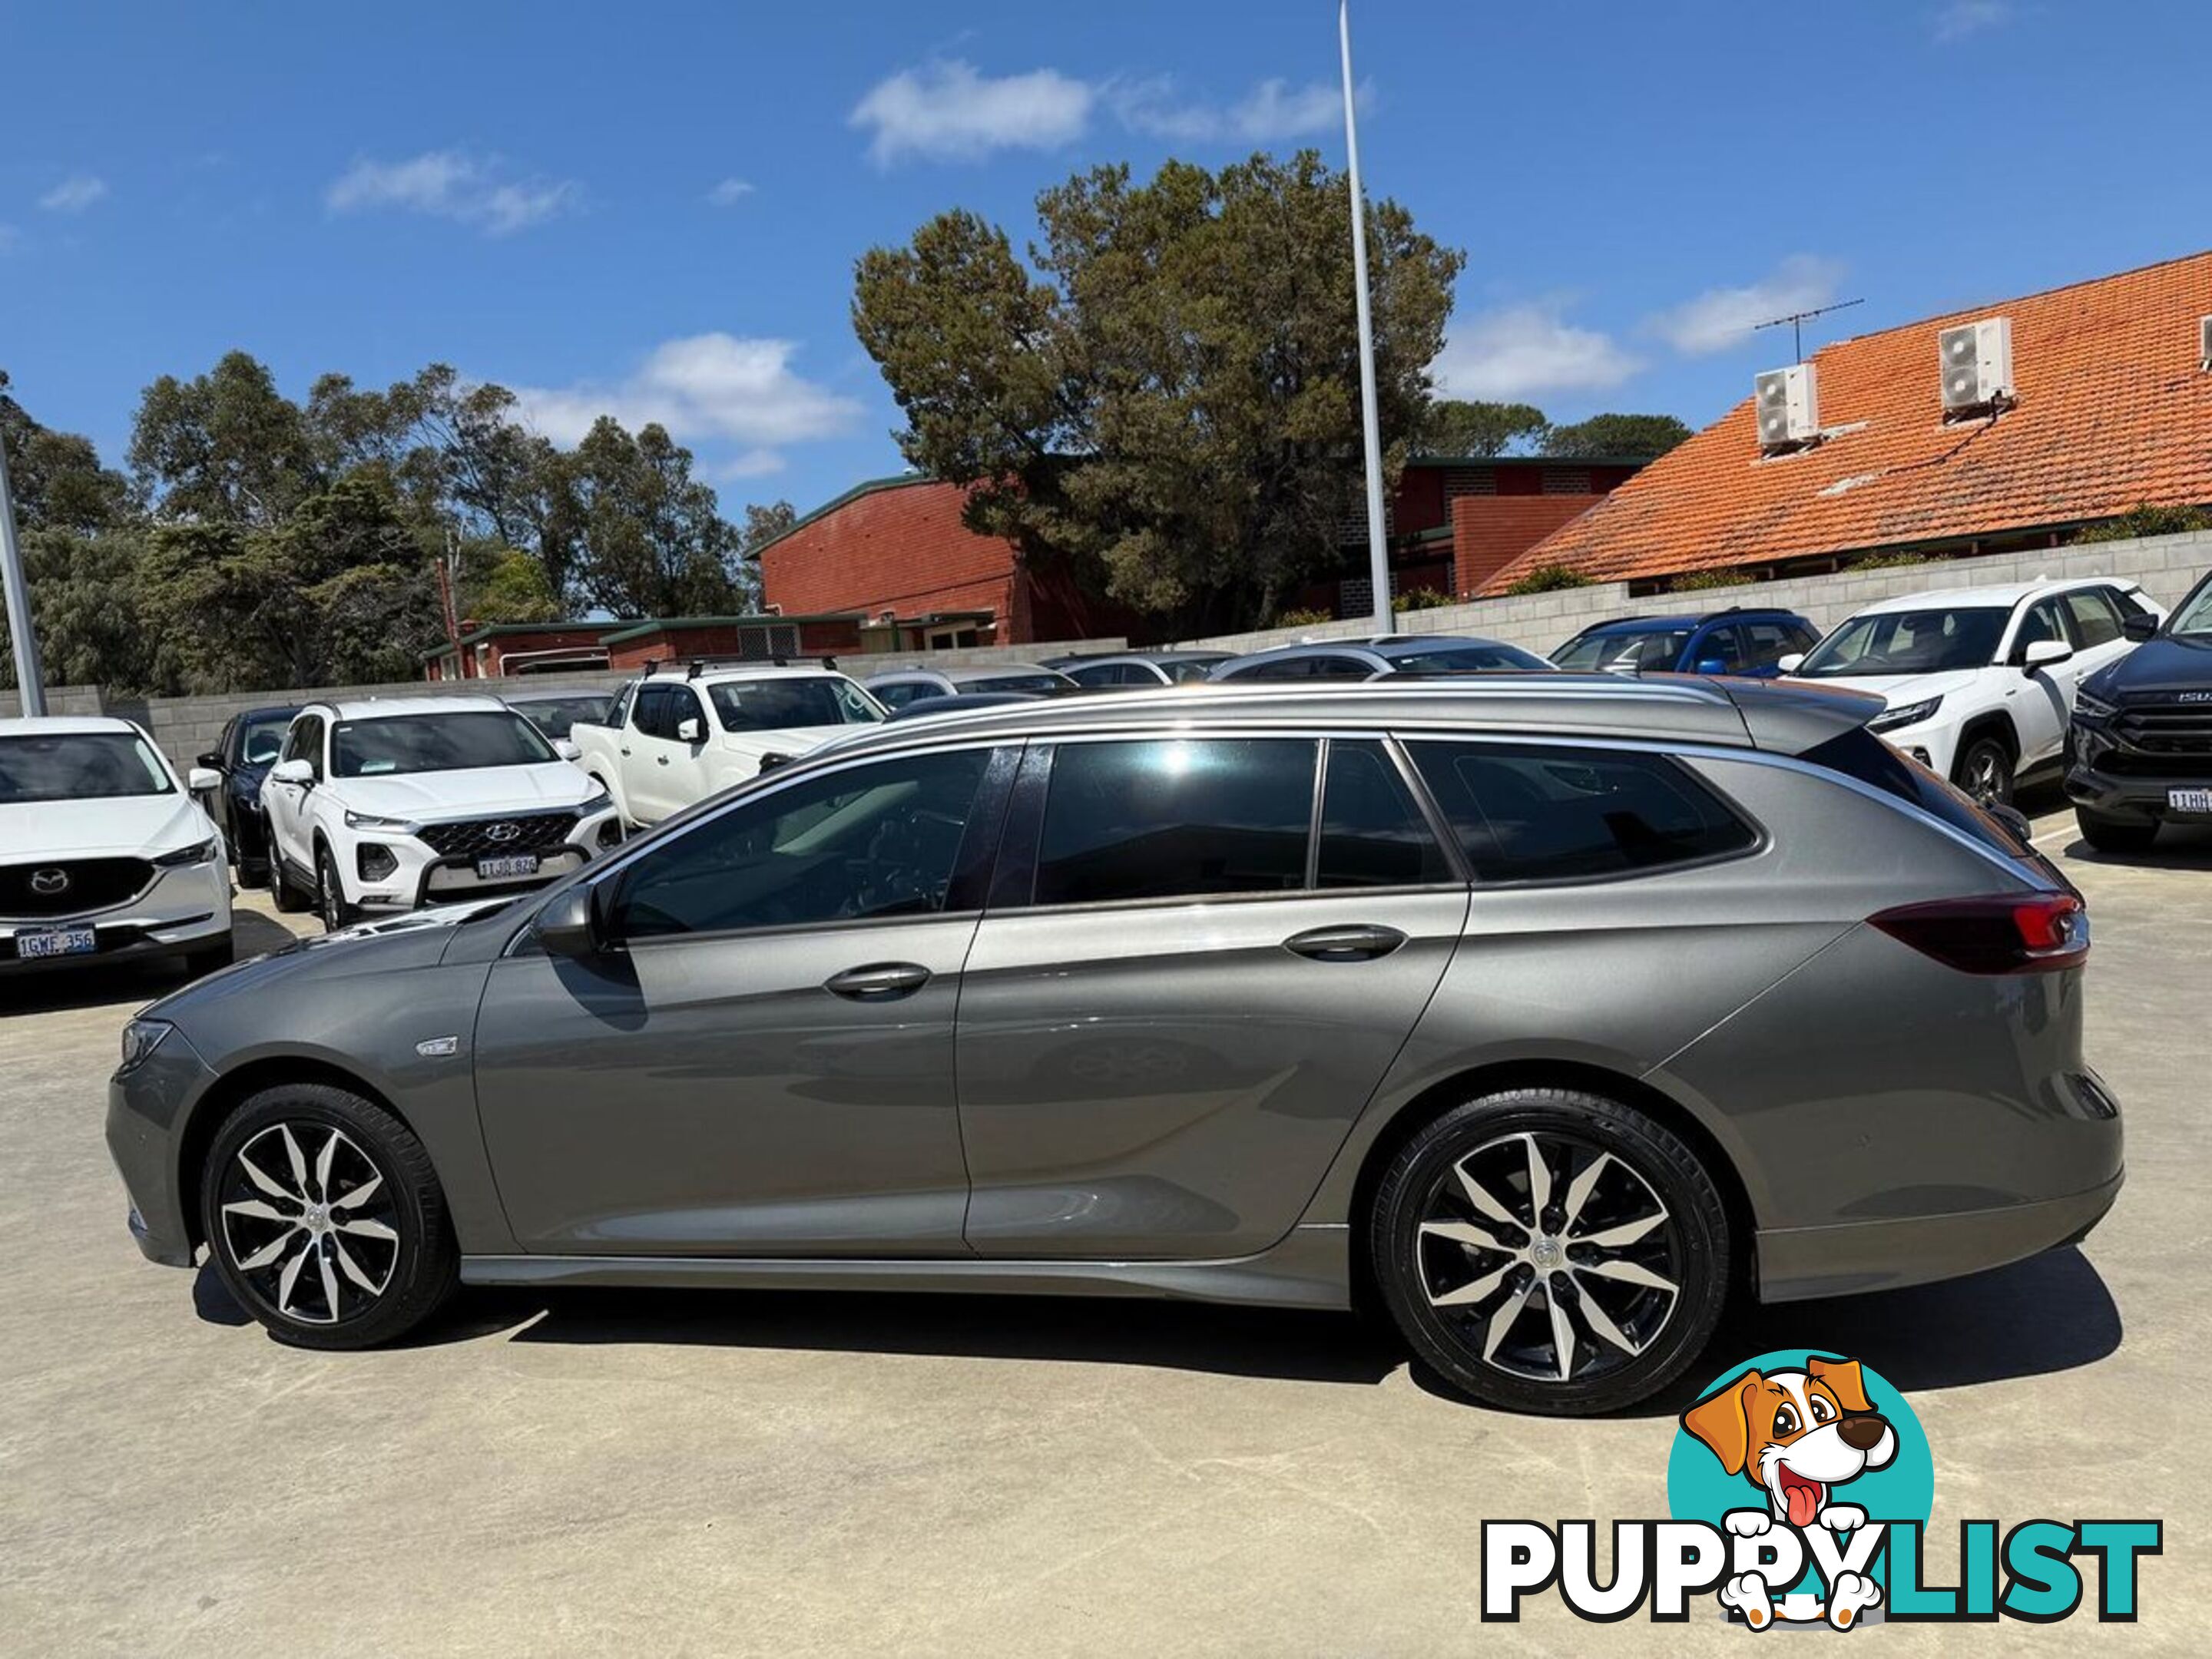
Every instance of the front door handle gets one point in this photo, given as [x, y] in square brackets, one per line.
[1360, 942]
[879, 981]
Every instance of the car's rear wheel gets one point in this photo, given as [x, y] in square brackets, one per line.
[326, 1219]
[288, 899]
[329, 894]
[1550, 1250]
[2114, 835]
[1983, 770]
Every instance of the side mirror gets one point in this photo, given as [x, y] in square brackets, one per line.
[2045, 653]
[693, 730]
[294, 771]
[1710, 666]
[2136, 628]
[566, 749]
[203, 780]
[568, 926]
[212, 761]
[1790, 662]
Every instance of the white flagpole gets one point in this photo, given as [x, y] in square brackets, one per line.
[1378, 550]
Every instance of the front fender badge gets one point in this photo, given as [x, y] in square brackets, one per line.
[439, 1047]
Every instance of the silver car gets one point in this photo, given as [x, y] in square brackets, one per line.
[1549, 1010]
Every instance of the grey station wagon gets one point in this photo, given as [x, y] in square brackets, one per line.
[1550, 1009]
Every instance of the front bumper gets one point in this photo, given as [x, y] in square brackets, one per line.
[1934, 744]
[183, 910]
[146, 1114]
[420, 875]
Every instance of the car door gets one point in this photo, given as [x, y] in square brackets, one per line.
[646, 748]
[2098, 641]
[2041, 701]
[759, 1060]
[287, 802]
[685, 777]
[1185, 989]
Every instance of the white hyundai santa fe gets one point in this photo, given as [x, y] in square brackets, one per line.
[103, 854]
[1980, 681]
[384, 805]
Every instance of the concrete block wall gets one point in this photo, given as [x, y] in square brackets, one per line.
[60, 700]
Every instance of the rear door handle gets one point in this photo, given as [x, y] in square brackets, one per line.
[879, 981]
[1360, 942]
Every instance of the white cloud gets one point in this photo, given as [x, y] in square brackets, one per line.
[452, 185]
[753, 463]
[706, 388]
[946, 111]
[74, 194]
[1273, 111]
[1722, 318]
[1523, 350]
[729, 193]
[1960, 18]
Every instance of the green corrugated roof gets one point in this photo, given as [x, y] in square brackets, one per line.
[682, 625]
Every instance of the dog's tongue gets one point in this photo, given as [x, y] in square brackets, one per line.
[1804, 1504]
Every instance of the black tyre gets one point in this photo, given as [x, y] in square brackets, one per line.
[210, 957]
[288, 899]
[1983, 767]
[325, 1218]
[1551, 1251]
[2114, 835]
[329, 894]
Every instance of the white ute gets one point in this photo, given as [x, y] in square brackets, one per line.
[1980, 681]
[103, 854]
[384, 805]
[677, 736]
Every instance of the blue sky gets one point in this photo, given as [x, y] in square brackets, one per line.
[655, 208]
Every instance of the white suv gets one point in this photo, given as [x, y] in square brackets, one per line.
[387, 805]
[102, 853]
[1980, 681]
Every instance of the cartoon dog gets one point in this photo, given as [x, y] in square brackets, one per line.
[1796, 1435]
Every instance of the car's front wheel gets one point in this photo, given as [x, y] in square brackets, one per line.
[1983, 770]
[1551, 1251]
[326, 1219]
[2114, 835]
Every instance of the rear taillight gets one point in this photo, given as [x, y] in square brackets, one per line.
[2026, 934]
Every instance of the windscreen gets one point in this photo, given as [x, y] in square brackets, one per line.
[1909, 642]
[1648, 650]
[779, 705]
[2192, 618]
[261, 738]
[555, 716]
[1469, 659]
[435, 742]
[1017, 683]
[79, 766]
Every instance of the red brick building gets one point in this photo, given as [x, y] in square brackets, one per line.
[729, 638]
[497, 650]
[895, 551]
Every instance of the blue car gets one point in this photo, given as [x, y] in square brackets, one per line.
[1749, 643]
[244, 754]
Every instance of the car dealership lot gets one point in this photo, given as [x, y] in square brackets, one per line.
[725, 1471]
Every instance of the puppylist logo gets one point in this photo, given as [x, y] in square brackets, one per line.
[1800, 1486]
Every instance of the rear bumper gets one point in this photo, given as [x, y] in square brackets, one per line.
[1796, 1263]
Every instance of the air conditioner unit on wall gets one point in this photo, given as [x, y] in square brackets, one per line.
[1976, 365]
[1787, 402]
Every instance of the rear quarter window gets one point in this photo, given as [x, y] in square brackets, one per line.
[1860, 755]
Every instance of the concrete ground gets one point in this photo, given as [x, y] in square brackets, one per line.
[720, 1472]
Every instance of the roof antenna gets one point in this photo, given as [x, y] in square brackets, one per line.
[1797, 319]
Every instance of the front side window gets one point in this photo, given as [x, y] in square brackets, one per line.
[1099, 675]
[1044, 682]
[1528, 812]
[79, 766]
[1372, 833]
[777, 705]
[2044, 622]
[1281, 668]
[1763, 644]
[1883, 642]
[874, 840]
[1164, 818]
[2095, 622]
[435, 742]
[305, 741]
[261, 738]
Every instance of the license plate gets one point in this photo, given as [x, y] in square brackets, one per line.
[2188, 801]
[56, 942]
[503, 869]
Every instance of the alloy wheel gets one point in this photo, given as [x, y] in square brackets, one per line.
[1548, 1257]
[1985, 776]
[314, 1236]
[331, 901]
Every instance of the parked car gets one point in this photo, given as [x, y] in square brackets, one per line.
[1541, 1005]
[1746, 642]
[2142, 739]
[677, 736]
[1385, 654]
[1138, 670]
[103, 854]
[384, 805]
[1980, 681]
[553, 713]
[897, 689]
[240, 760]
[960, 702]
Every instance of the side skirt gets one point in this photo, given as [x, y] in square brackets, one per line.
[1310, 1269]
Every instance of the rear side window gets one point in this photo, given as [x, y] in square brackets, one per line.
[1859, 753]
[1528, 812]
[1176, 819]
[1373, 834]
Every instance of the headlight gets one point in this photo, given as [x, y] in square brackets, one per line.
[1910, 714]
[2094, 707]
[199, 853]
[388, 826]
[140, 1038]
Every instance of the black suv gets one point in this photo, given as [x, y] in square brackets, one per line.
[2140, 750]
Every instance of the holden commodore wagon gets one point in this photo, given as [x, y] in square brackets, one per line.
[1549, 1011]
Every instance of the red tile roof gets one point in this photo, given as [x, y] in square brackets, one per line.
[2113, 410]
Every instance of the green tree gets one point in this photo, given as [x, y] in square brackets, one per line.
[506, 585]
[648, 539]
[1171, 406]
[1454, 426]
[1643, 437]
[226, 448]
